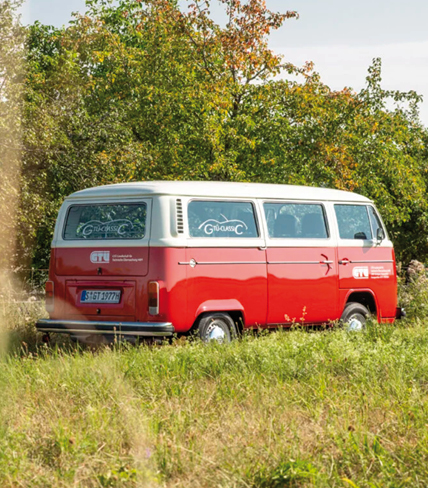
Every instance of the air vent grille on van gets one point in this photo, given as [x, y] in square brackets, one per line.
[180, 220]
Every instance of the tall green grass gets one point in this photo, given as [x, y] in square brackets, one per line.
[291, 408]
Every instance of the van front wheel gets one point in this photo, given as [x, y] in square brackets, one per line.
[355, 316]
[216, 327]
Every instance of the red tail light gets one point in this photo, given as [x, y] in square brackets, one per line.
[49, 296]
[153, 298]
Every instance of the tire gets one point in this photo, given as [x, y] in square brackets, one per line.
[355, 316]
[216, 327]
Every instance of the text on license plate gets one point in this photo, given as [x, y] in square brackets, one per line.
[100, 296]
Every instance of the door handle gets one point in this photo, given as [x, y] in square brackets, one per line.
[327, 262]
[345, 261]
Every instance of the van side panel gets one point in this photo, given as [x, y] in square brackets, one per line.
[302, 288]
[371, 268]
[228, 275]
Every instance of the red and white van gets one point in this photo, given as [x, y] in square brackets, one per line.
[157, 258]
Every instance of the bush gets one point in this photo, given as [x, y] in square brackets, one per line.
[413, 290]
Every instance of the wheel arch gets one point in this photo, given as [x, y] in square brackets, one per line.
[365, 297]
[232, 307]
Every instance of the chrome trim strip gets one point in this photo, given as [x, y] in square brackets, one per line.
[366, 261]
[208, 263]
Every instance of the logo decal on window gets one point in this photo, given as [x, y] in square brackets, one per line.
[100, 257]
[360, 273]
[119, 227]
[236, 226]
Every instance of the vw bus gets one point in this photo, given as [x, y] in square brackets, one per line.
[163, 257]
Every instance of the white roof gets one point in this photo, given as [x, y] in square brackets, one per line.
[220, 189]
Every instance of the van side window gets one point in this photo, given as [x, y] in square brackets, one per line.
[105, 221]
[222, 219]
[296, 220]
[353, 222]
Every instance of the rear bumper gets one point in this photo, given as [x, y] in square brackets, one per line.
[80, 327]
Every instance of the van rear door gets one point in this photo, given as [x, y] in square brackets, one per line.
[104, 239]
[102, 253]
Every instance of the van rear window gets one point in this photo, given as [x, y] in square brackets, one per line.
[105, 221]
[222, 219]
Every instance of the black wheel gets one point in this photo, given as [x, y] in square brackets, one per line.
[355, 316]
[216, 327]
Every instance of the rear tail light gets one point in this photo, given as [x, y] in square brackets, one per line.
[153, 298]
[49, 296]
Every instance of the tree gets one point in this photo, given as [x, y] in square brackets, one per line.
[308, 134]
[12, 38]
[143, 90]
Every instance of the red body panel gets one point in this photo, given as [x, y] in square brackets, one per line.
[223, 274]
[265, 285]
[72, 272]
[125, 261]
[300, 288]
[370, 269]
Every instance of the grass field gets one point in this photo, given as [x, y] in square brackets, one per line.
[291, 408]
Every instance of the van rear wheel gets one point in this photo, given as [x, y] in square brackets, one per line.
[216, 327]
[355, 316]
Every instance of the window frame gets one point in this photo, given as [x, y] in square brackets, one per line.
[227, 200]
[125, 239]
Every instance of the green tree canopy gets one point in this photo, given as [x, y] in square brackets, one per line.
[141, 89]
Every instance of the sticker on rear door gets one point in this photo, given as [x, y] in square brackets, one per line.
[100, 257]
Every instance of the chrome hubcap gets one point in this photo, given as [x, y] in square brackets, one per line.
[355, 324]
[215, 333]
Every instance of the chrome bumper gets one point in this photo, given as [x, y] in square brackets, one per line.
[80, 327]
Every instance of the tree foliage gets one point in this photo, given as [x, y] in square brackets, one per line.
[142, 89]
[12, 77]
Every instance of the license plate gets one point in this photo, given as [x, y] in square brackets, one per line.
[100, 296]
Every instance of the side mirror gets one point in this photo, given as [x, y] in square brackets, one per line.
[380, 236]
